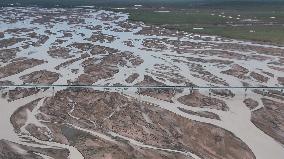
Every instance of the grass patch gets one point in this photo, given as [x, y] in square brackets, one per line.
[266, 26]
[271, 34]
[175, 17]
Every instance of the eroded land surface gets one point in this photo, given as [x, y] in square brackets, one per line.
[96, 47]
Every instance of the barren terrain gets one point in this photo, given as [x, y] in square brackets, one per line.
[82, 46]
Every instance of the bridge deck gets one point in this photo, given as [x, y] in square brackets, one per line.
[153, 87]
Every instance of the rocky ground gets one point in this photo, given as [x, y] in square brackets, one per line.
[82, 46]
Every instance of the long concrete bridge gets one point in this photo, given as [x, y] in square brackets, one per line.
[145, 87]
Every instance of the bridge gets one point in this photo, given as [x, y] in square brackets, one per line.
[145, 87]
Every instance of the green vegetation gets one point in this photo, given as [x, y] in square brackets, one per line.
[265, 26]
[148, 3]
[273, 35]
[175, 17]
